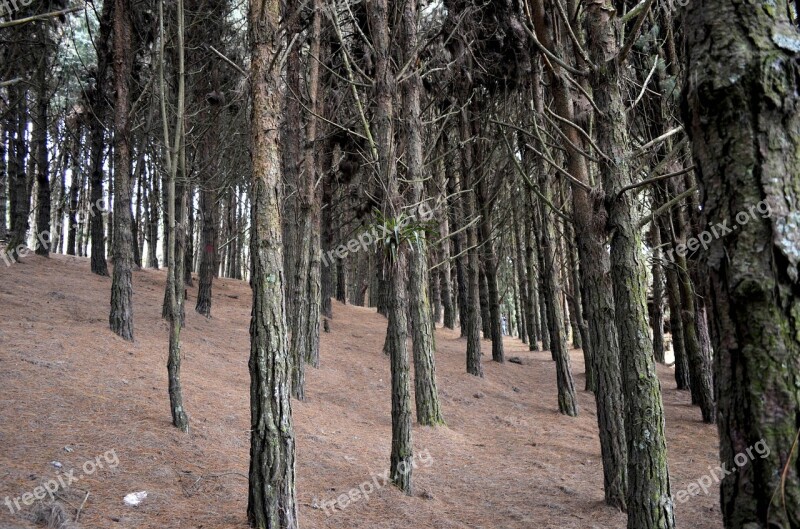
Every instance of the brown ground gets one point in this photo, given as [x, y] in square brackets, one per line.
[506, 460]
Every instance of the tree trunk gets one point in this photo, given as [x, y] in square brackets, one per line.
[595, 270]
[648, 498]
[657, 320]
[426, 395]
[741, 115]
[43, 235]
[567, 401]
[473, 308]
[307, 292]
[18, 178]
[98, 117]
[121, 314]
[445, 269]
[532, 314]
[271, 499]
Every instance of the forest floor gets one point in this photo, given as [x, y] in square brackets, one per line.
[75, 394]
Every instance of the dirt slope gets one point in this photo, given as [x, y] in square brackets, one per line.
[71, 391]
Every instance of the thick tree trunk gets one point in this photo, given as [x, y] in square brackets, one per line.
[272, 500]
[121, 314]
[741, 114]
[208, 248]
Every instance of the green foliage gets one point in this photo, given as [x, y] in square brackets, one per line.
[403, 229]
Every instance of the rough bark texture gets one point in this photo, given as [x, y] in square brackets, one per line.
[305, 333]
[271, 498]
[20, 192]
[426, 395]
[121, 315]
[742, 116]
[567, 401]
[596, 279]
[395, 254]
[473, 309]
[649, 498]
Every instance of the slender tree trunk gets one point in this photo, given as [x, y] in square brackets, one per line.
[578, 303]
[98, 117]
[682, 378]
[741, 115]
[305, 332]
[445, 222]
[657, 321]
[121, 314]
[489, 265]
[595, 270]
[426, 395]
[18, 178]
[473, 309]
[567, 401]
[43, 235]
[648, 498]
[459, 241]
[76, 136]
[532, 314]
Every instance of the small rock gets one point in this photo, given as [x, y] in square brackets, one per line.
[479, 395]
[134, 498]
[566, 490]
[56, 464]
[516, 360]
[515, 389]
[427, 495]
[67, 449]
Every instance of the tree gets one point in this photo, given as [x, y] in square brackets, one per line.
[121, 314]
[271, 495]
[97, 117]
[648, 474]
[741, 102]
[426, 394]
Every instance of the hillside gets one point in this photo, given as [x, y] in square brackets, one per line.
[72, 390]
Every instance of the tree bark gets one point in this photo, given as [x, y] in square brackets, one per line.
[426, 395]
[272, 501]
[595, 270]
[121, 314]
[741, 115]
[649, 496]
